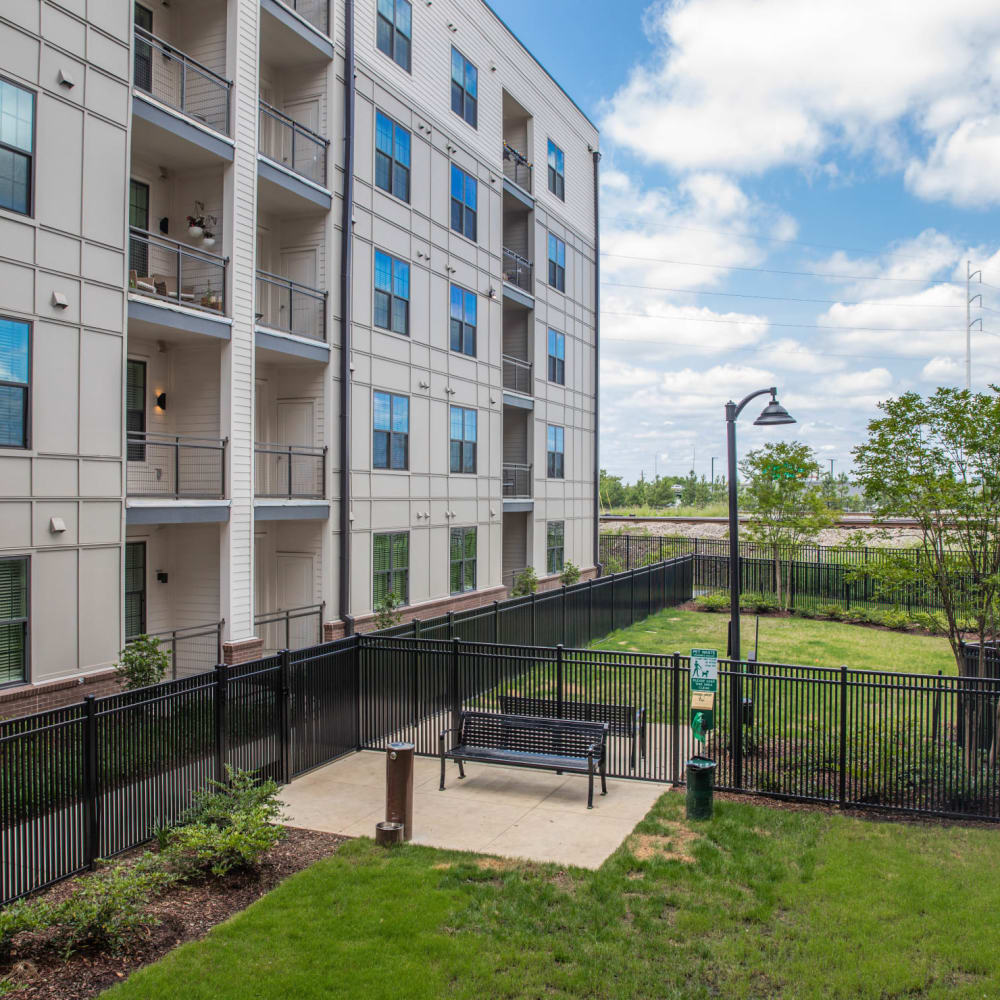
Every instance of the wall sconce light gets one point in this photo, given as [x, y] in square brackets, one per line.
[165, 225]
[161, 401]
[161, 577]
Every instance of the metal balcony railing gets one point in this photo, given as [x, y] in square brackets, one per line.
[175, 466]
[180, 82]
[291, 628]
[516, 167]
[165, 269]
[517, 375]
[516, 480]
[509, 577]
[287, 471]
[193, 649]
[283, 304]
[316, 12]
[518, 271]
[294, 146]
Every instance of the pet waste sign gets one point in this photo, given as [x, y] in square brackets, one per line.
[704, 687]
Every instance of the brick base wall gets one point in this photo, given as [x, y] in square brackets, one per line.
[31, 698]
[242, 651]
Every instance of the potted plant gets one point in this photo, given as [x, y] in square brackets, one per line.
[200, 225]
[211, 299]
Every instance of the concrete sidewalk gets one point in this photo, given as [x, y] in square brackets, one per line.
[510, 811]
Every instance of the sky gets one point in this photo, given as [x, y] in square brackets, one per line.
[790, 192]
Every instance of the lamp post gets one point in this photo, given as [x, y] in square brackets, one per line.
[773, 415]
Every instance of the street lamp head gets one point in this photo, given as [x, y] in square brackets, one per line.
[774, 414]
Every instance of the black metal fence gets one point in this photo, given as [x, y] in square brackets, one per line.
[283, 304]
[292, 144]
[517, 481]
[516, 167]
[290, 628]
[166, 269]
[175, 465]
[517, 375]
[192, 649]
[289, 471]
[519, 271]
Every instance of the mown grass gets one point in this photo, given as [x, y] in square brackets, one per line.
[757, 903]
[788, 640]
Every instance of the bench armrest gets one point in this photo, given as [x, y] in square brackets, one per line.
[445, 732]
[596, 748]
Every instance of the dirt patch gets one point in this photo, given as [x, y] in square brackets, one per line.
[185, 914]
[672, 845]
[497, 864]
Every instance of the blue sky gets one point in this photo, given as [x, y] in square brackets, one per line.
[854, 144]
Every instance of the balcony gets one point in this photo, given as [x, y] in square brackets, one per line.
[289, 472]
[292, 160]
[516, 481]
[176, 467]
[517, 375]
[316, 12]
[516, 167]
[295, 33]
[292, 628]
[163, 269]
[193, 649]
[285, 305]
[518, 271]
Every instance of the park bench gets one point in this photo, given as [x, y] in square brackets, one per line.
[622, 720]
[529, 741]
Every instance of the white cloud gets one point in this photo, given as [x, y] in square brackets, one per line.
[963, 166]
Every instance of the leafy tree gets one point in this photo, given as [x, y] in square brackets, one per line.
[142, 663]
[785, 503]
[612, 491]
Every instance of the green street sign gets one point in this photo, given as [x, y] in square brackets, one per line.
[704, 687]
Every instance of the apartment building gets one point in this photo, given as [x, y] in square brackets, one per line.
[298, 308]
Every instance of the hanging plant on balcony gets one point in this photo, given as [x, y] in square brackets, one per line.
[202, 226]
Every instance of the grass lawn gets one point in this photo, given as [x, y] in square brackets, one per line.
[758, 903]
[789, 640]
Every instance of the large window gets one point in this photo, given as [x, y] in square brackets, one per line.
[391, 439]
[464, 192]
[13, 620]
[391, 567]
[142, 75]
[463, 439]
[392, 294]
[463, 321]
[557, 263]
[554, 546]
[557, 171]
[135, 589]
[555, 452]
[392, 157]
[464, 88]
[135, 409]
[17, 146]
[395, 30]
[15, 382]
[138, 218]
[557, 357]
[463, 560]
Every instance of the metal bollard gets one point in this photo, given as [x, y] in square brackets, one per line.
[399, 786]
[700, 787]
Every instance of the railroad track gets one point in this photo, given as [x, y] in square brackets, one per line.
[845, 521]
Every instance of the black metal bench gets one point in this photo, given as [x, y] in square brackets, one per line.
[622, 720]
[530, 741]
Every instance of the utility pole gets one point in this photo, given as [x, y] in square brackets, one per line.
[831, 468]
[713, 470]
[969, 321]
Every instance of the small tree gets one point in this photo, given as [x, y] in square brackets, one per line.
[142, 663]
[786, 506]
[387, 614]
[525, 583]
[570, 574]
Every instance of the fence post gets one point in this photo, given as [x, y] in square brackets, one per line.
[628, 552]
[675, 717]
[791, 588]
[590, 609]
[416, 628]
[843, 736]
[456, 700]
[221, 747]
[564, 612]
[936, 713]
[91, 792]
[285, 717]
[451, 624]
[649, 591]
[496, 623]
[534, 619]
[559, 681]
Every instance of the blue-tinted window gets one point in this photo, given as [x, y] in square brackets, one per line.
[394, 30]
[391, 431]
[463, 439]
[555, 452]
[463, 321]
[17, 146]
[392, 294]
[464, 202]
[557, 357]
[392, 157]
[464, 88]
[557, 171]
[15, 382]
[557, 263]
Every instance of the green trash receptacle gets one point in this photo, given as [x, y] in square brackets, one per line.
[700, 786]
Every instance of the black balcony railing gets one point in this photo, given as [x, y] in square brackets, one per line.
[290, 628]
[516, 167]
[517, 375]
[180, 82]
[289, 471]
[294, 146]
[516, 480]
[165, 269]
[283, 304]
[519, 271]
[171, 465]
[316, 12]
[192, 649]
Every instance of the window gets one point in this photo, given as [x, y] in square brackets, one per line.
[391, 441]
[13, 620]
[391, 567]
[464, 88]
[463, 560]
[557, 357]
[15, 380]
[463, 321]
[463, 202]
[392, 157]
[557, 263]
[555, 452]
[463, 439]
[392, 294]
[557, 171]
[142, 75]
[138, 218]
[554, 546]
[17, 146]
[394, 30]
[135, 410]
[135, 589]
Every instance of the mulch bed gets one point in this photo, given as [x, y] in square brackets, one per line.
[186, 913]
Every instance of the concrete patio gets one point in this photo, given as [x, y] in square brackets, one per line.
[508, 811]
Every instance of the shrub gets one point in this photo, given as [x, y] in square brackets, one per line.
[386, 613]
[761, 604]
[718, 602]
[20, 917]
[525, 583]
[611, 566]
[832, 611]
[570, 574]
[933, 621]
[204, 848]
[221, 803]
[896, 618]
[142, 663]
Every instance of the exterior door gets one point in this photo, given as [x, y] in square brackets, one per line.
[263, 462]
[295, 427]
[301, 152]
[302, 314]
